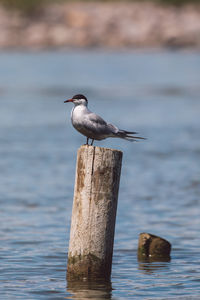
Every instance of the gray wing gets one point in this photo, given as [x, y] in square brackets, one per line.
[95, 120]
[97, 126]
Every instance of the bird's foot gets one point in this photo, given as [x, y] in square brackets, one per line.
[87, 142]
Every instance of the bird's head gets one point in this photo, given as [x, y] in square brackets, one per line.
[78, 100]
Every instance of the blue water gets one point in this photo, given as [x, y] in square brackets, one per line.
[154, 93]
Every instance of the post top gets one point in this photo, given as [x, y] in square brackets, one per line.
[99, 148]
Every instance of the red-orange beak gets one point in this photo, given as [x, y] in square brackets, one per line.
[69, 100]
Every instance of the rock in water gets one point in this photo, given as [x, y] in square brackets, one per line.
[153, 248]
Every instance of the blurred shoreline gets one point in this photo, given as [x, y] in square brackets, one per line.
[105, 25]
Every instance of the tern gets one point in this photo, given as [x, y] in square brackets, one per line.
[92, 125]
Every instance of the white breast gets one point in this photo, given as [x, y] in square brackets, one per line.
[77, 114]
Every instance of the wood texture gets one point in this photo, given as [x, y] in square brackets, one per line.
[94, 212]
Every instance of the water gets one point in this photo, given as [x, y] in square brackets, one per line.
[154, 93]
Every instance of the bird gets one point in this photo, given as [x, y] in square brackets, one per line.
[93, 126]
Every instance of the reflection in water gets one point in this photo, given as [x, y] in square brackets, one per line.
[89, 290]
[152, 265]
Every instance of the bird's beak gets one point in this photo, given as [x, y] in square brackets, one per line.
[69, 100]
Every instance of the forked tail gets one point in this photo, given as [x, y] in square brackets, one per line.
[129, 136]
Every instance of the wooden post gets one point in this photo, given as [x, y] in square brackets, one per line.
[94, 213]
[153, 248]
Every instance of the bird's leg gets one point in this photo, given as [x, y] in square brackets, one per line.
[92, 142]
[87, 141]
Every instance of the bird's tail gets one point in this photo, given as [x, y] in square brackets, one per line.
[129, 135]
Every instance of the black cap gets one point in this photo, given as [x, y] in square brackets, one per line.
[80, 96]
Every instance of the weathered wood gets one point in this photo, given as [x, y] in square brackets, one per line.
[153, 247]
[94, 213]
